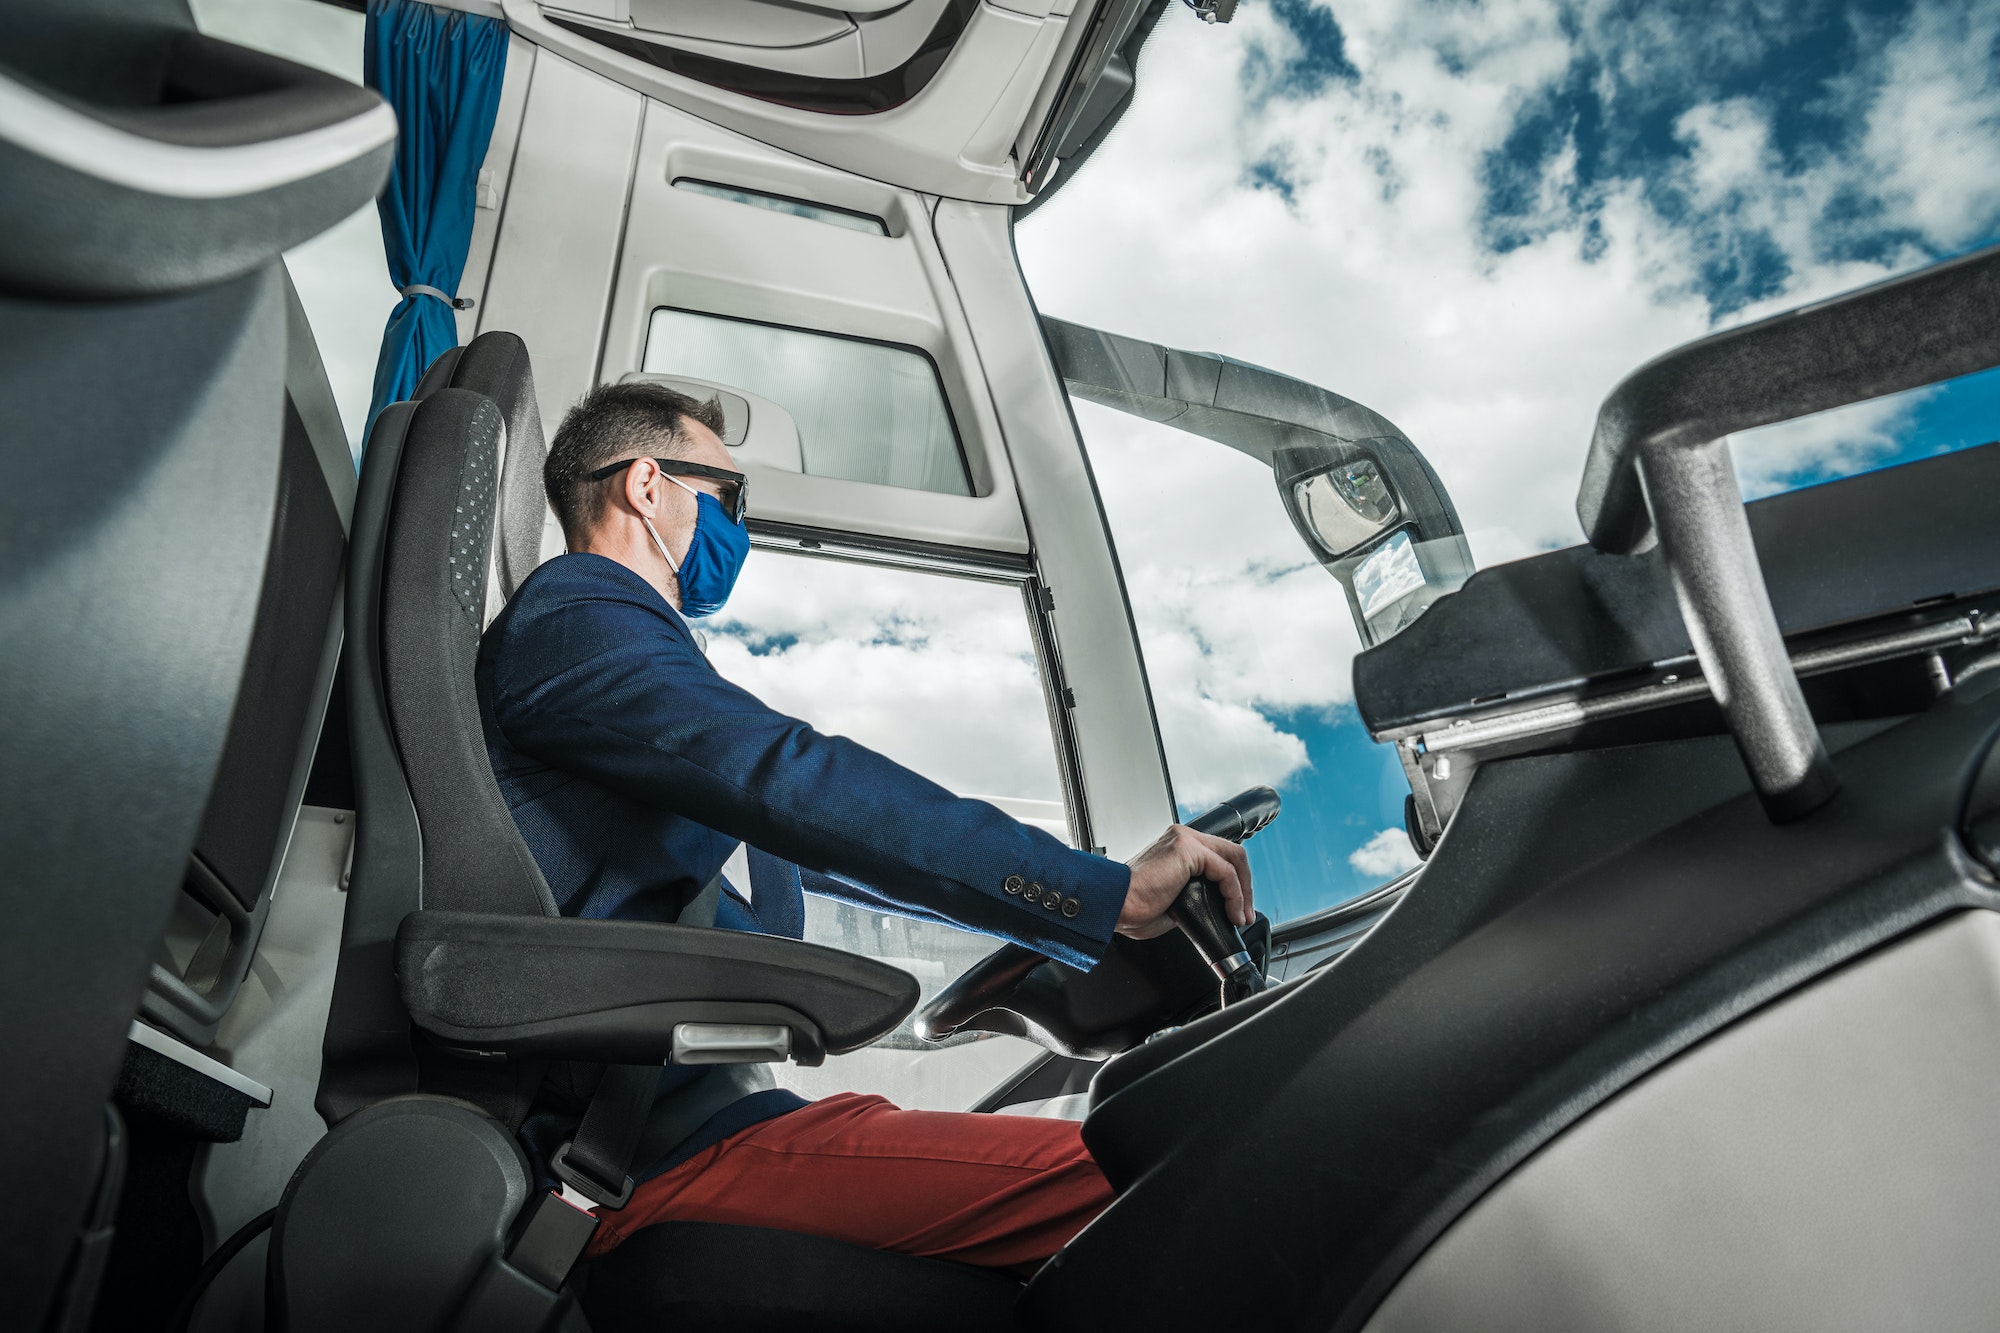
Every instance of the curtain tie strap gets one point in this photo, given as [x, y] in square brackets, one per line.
[456, 303]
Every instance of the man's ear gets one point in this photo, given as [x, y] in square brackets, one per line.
[642, 487]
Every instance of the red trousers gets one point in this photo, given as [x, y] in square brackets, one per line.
[999, 1191]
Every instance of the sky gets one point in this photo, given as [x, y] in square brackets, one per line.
[1473, 217]
[1476, 219]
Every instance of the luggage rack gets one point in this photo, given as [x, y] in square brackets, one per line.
[1659, 473]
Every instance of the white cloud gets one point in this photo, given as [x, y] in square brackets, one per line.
[1825, 445]
[1933, 148]
[1373, 273]
[937, 673]
[1375, 278]
[1237, 622]
[1387, 853]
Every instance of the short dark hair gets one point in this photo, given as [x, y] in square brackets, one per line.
[610, 423]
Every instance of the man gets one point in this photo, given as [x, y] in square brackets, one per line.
[633, 770]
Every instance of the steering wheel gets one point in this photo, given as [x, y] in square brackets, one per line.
[1199, 912]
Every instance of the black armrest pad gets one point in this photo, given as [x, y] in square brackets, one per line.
[563, 988]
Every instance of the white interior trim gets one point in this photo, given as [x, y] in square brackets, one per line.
[63, 135]
[181, 1053]
[486, 9]
[852, 6]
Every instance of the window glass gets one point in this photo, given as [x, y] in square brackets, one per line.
[865, 411]
[938, 673]
[1247, 642]
[1863, 437]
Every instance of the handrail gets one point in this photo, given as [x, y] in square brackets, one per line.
[1659, 464]
[1935, 324]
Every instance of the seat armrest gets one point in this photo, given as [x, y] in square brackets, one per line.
[613, 991]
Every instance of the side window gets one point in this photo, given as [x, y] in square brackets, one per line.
[940, 674]
[1247, 642]
[866, 411]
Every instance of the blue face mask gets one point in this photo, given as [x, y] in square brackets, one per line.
[715, 555]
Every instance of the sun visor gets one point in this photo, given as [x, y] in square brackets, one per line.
[755, 429]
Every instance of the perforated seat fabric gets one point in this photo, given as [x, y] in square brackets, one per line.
[433, 596]
[495, 365]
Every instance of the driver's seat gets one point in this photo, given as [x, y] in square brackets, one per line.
[418, 1208]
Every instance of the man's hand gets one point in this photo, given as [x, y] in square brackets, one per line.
[1161, 871]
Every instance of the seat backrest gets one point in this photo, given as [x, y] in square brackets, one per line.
[433, 596]
[140, 388]
[287, 679]
[495, 365]
[432, 828]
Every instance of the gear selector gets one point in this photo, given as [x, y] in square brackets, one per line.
[1199, 911]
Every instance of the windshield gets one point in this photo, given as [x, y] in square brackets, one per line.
[1476, 220]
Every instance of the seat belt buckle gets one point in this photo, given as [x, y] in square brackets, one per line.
[556, 1233]
[582, 1183]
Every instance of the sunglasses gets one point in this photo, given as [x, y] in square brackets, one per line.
[736, 486]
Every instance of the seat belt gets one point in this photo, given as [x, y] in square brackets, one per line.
[701, 909]
[622, 1125]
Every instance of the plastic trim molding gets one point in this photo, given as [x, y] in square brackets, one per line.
[181, 1053]
[69, 138]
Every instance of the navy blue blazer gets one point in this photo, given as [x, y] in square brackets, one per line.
[633, 769]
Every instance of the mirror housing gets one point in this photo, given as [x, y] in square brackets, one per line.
[1365, 502]
[1374, 513]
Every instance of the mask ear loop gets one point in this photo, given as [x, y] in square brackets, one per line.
[655, 533]
[662, 545]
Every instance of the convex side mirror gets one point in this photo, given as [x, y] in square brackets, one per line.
[1375, 514]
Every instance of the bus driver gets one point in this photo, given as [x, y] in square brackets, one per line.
[633, 770]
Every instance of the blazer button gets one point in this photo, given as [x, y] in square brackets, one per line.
[1071, 907]
[1033, 893]
[1014, 884]
[1053, 902]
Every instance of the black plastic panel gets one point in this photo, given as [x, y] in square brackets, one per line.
[391, 1216]
[135, 517]
[704, 1277]
[103, 231]
[1587, 917]
[276, 718]
[1873, 547]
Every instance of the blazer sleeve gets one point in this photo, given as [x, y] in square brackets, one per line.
[618, 693]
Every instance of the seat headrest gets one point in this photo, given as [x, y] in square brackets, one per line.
[495, 365]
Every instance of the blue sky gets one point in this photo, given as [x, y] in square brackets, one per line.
[1476, 218]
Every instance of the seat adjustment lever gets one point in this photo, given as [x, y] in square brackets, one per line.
[731, 1043]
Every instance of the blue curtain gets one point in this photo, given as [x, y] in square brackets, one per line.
[441, 71]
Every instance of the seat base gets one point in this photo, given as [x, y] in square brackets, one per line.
[694, 1277]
